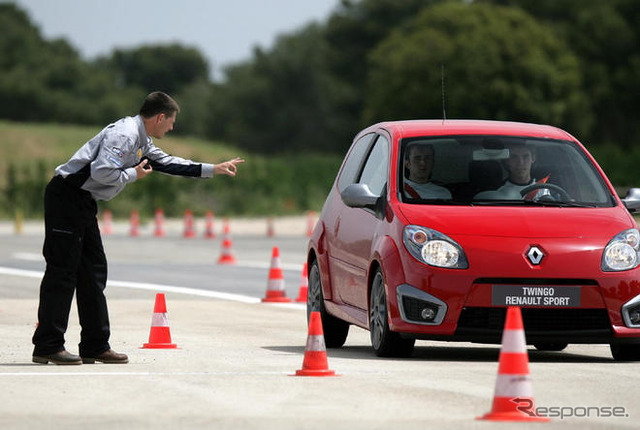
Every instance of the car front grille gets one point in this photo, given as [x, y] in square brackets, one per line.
[538, 322]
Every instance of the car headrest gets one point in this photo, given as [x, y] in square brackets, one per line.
[486, 174]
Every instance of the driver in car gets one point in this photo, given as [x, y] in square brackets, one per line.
[519, 163]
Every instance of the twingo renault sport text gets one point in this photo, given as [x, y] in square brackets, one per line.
[433, 228]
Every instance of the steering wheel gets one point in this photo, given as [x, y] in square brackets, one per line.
[552, 187]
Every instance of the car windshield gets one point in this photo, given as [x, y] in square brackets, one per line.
[499, 170]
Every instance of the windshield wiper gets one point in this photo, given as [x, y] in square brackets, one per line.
[497, 202]
[543, 203]
[439, 202]
[560, 204]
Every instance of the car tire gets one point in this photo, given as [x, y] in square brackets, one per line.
[551, 346]
[385, 342]
[625, 352]
[335, 330]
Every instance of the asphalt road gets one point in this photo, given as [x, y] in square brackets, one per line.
[236, 355]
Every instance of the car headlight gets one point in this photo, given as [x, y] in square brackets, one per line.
[621, 253]
[434, 248]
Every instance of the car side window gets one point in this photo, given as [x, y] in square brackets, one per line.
[374, 173]
[354, 161]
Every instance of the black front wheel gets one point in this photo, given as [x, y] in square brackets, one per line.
[335, 330]
[550, 346]
[625, 352]
[385, 342]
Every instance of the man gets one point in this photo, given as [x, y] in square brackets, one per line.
[519, 163]
[419, 164]
[120, 154]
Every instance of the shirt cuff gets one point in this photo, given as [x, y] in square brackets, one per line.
[207, 170]
[132, 175]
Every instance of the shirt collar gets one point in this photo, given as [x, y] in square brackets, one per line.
[515, 184]
[417, 184]
[142, 131]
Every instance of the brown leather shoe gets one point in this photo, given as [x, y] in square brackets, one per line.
[107, 357]
[62, 357]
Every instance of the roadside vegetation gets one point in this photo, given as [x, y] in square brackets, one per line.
[265, 185]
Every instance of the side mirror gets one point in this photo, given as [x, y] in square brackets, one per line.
[632, 200]
[359, 196]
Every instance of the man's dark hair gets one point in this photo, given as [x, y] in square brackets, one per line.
[411, 147]
[158, 102]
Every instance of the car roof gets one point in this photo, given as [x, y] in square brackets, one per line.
[451, 127]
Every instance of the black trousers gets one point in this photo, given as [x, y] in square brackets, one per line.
[76, 262]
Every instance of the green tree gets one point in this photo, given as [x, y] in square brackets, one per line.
[282, 100]
[168, 68]
[20, 41]
[48, 81]
[195, 101]
[352, 32]
[499, 63]
[605, 35]
[22, 66]
[356, 27]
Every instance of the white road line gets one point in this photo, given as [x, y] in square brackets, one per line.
[81, 373]
[158, 287]
[184, 290]
[27, 256]
[19, 272]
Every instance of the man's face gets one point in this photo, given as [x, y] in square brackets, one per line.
[519, 165]
[162, 125]
[420, 163]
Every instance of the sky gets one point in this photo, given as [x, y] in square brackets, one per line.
[224, 31]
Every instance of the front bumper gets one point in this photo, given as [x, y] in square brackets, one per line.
[473, 317]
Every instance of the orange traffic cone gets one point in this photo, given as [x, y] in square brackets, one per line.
[315, 361]
[311, 223]
[513, 386]
[209, 232]
[107, 222]
[189, 230]
[270, 229]
[160, 335]
[134, 223]
[304, 285]
[275, 283]
[159, 222]
[226, 256]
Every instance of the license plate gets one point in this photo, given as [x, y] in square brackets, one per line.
[535, 295]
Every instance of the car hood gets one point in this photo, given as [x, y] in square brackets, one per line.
[529, 222]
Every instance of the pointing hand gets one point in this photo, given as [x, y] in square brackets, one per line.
[228, 167]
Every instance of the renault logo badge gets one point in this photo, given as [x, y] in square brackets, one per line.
[535, 255]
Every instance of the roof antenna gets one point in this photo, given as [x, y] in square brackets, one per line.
[444, 111]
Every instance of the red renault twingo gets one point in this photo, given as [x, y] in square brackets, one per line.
[433, 228]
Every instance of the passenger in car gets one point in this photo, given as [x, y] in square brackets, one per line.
[419, 161]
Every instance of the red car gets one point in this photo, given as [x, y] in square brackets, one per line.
[433, 228]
